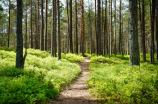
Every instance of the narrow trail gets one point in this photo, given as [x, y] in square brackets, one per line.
[76, 93]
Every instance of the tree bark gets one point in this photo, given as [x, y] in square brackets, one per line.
[19, 50]
[133, 34]
[59, 43]
[76, 27]
[105, 29]
[82, 27]
[26, 29]
[53, 41]
[157, 30]
[37, 22]
[45, 39]
[111, 27]
[119, 48]
[9, 25]
[115, 28]
[31, 27]
[42, 28]
[70, 28]
[143, 32]
[98, 29]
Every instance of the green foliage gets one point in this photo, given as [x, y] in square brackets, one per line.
[72, 57]
[40, 81]
[115, 81]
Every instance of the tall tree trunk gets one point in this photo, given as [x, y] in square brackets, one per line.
[67, 5]
[59, 43]
[157, 30]
[76, 27]
[111, 37]
[19, 50]
[140, 25]
[70, 28]
[82, 27]
[31, 27]
[9, 25]
[53, 41]
[37, 23]
[115, 28]
[143, 33]
[42, 28]
[152, 33]
[133, 34]
[119, 48]
[26, 29]
[105, 29]
[45, 39]
[98, 29]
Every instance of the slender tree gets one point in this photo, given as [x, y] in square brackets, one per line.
[70, 28]
[111, 37]
[133, 34]
[37, 23]
[45, 38]
[58, 26]
[9, 24]
[31, 27]
[115, 28]
[42, 28]
[26, 29]
[105, 29]
[119, 47]
[143, 32]
[157, 30]
[19, 50]
[67, 6]
[76, 27]
[98, 29]
[82, 27]
[152, 32]
[53, 36]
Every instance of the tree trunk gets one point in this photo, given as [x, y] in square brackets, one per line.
[119, 48]
[42, 28]
[76, 27]
[111, 37]
[45, 39]
[67, 4]
[59, 43]
[70, 28]
[9, 25]
[152, 33]
[133, 34]
[53, 41]
[98, 29]
[31, 27]
[143, 32]
[157, 31]
[19, 50]
[37, 22]
[82, 27]
[105, 29]
[115, 28]
[26, 29]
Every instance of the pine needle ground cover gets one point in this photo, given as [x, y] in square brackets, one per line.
[113, 80]
[41, 80]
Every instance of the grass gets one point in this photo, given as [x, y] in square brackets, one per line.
[40, 81]
[113, 80]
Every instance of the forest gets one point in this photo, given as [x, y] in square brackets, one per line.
[78, 51]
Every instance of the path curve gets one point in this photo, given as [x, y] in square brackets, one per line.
[76, 93]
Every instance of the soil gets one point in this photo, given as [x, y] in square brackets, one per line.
[77, 92]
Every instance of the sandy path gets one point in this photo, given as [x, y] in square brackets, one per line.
[76, 93]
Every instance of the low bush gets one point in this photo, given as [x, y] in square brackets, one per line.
[41, 79]
[115, 81]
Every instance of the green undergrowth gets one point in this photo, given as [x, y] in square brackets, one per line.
[40, 81]
[113, 80]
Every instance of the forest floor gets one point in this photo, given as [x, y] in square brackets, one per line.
[77, 92]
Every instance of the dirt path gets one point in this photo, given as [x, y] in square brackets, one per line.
[76, 93]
